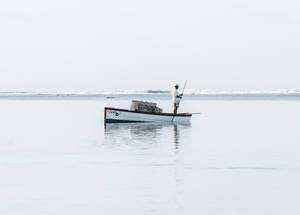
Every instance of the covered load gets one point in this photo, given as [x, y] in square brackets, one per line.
[142, 106]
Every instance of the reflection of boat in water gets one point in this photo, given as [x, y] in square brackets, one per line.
[144, 133]
[116, 115]
[135, 129]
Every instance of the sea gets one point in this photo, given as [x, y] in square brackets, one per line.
[239, 155]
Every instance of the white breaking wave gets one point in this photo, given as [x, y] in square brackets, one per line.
[195, 92]
[251, 92]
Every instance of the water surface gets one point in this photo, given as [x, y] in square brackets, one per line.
[236, 157]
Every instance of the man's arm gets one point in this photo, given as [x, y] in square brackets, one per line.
[179, 96]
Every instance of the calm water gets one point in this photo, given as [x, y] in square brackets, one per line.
[237, 157]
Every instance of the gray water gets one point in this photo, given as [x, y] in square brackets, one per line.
[236, 157]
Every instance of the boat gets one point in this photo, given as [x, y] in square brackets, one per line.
[116, 115]
[143, 111]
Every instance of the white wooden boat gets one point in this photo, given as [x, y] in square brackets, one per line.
[116, 115]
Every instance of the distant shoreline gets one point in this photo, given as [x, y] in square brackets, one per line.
[150, 95]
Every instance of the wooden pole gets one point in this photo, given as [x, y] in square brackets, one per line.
[183, 91]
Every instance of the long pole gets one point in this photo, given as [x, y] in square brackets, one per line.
[183, 90]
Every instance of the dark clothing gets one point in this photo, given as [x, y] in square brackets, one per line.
[175, 107]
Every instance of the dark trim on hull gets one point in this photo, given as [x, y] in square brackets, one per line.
[160, 114]
[122, 121]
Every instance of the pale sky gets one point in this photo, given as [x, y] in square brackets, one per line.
[92, 45]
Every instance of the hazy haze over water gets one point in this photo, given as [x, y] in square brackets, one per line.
[107, 45]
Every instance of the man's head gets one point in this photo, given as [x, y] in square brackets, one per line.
[176, 86]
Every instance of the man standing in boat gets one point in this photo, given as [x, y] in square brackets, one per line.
[176, 99]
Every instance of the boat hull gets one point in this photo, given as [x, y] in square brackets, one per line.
[115, 115]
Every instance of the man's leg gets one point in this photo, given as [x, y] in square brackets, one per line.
[174, 109]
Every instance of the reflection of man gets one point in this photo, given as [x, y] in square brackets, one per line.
[176, 138]
[176, 99]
